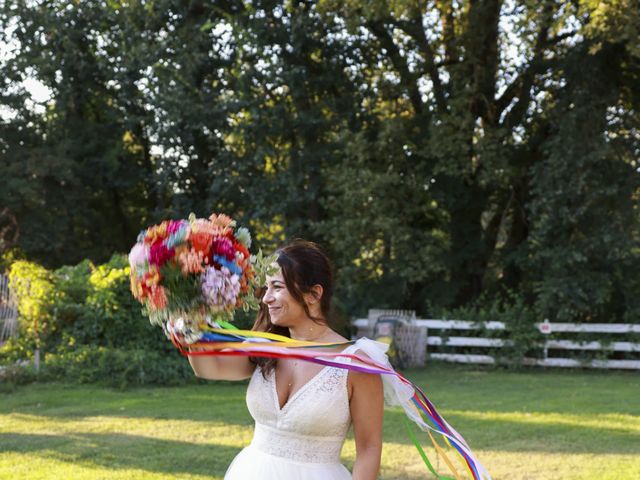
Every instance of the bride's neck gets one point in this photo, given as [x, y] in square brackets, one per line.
[309, 333]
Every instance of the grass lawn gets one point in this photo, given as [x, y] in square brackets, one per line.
[534, 425]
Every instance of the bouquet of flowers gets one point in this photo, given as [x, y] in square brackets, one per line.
[193, 274]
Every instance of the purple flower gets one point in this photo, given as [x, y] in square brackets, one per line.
[220, 288]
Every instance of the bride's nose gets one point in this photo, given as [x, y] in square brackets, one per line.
[268, 297]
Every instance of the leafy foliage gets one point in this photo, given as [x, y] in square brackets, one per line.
[89, 327]
[117, 367]
[443, 152]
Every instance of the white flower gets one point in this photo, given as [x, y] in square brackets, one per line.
[243, 236]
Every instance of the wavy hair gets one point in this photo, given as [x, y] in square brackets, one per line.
[303, 265]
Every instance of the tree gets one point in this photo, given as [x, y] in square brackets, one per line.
[76, 174]
[441, 150]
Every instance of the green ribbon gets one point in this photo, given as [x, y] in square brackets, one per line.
[226, 325]
[421, 451]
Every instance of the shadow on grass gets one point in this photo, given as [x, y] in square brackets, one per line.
[122, 451]
[205, 403]
[514, 436]
[224, 403]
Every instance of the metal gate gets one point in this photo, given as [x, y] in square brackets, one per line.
[8, 310]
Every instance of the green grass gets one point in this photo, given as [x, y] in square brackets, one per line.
[533, 425]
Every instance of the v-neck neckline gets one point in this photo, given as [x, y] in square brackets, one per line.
[296, 393]
[281, 409]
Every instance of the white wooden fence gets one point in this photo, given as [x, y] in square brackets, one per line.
[423, 327]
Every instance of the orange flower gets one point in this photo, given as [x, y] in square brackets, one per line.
[180, 249]
[136, 288]
[158, 298]
[244, 285]
[152, 277]
[191, 262]
[221, 220]
[157, 232]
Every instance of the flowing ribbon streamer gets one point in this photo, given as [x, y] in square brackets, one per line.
[234, 342]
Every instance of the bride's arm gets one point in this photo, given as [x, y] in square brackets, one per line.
[221, 368]
[367, 407]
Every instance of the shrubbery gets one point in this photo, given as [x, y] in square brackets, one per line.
[88, 328]
[117, 367]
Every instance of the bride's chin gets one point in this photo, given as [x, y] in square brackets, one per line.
[280, 322]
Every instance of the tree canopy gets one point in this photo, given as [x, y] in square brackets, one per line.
[441, 151]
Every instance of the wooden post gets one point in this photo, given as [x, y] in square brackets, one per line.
[36, 360]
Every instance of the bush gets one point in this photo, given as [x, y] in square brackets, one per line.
[94, 306]
[117, 367]
[17, 374]
[16, 349]
[89, 328]
[90, 304]
[34, 288]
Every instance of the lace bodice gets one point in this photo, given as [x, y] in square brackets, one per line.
[311, 426]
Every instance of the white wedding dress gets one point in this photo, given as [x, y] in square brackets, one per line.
[303, 439]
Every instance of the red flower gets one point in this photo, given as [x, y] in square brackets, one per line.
[201, 242]
[241, 248]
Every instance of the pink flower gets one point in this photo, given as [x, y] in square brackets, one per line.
[138, 255]
[224, 247]
[175, 225]
[159, 254]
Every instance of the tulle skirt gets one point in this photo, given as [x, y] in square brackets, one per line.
[254, 464]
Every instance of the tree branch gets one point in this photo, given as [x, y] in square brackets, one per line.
[415, 30]
[521, 87]
[399, 62]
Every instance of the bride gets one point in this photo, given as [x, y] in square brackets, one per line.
[302, 411]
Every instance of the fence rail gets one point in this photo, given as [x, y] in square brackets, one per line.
[365, 327]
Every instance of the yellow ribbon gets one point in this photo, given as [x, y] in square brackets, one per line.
[442, 453]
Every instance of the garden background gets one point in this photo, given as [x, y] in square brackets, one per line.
[474, 160]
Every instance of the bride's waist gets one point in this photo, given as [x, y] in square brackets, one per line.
[296, 446]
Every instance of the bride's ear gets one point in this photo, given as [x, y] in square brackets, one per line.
[315, 295]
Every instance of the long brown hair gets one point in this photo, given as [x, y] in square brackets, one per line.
[303, 266]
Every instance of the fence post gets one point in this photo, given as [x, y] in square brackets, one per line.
[545, 329]
[36, 360]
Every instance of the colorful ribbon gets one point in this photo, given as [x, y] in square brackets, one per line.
[234, 342]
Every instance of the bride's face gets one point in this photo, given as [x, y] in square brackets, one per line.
[284, 310]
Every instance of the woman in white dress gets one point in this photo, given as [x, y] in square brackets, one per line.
[302, 411]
